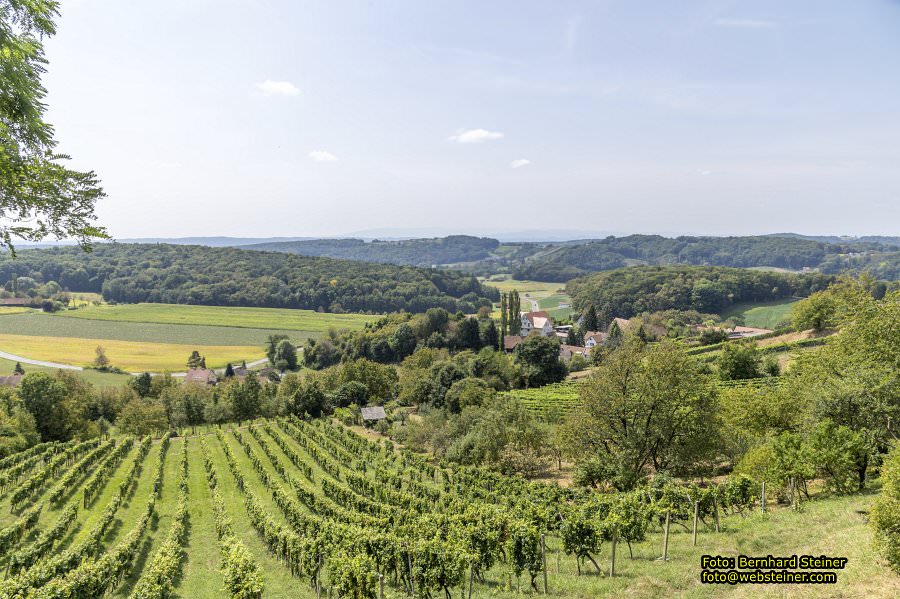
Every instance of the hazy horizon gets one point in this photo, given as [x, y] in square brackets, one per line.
[307, 119]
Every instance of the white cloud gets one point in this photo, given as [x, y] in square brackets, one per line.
[475, 136]
[519, 163]
[322, 156]
[745, 23]
[277, 88]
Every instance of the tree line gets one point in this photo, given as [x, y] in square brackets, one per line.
[232, 277]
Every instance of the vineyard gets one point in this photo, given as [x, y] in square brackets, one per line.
[550, 402]
[287, 508]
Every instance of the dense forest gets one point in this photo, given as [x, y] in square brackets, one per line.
[570, 261]
[233, 277]
[412, 252]
[626, 292]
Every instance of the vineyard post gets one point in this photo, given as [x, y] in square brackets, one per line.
[696, 517]
[471, 570]
[665, 555]
[557, 561]
[380, 586]
[793, 506]
[544, 560]
[762, 500]
[716, 511]
[612, 553]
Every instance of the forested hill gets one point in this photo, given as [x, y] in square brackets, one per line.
[234, 277]
[627, 292]
[574, 260]
[414, 252]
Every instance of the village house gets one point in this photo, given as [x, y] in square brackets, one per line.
[12, 380]
[592, 339]
[537, 321]
[566, 352]
[201, 376]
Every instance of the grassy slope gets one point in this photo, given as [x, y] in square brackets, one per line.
[98, 379]
[766, 315]
[304, 321]
[128, 355]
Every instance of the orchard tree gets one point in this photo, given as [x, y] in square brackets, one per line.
[142, 384]
[40, 197]
[739, 361]
[44, 397]
[645, 406]
[285, 355]
[195, 360]
[539, 357]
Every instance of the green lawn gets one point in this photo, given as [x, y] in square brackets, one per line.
[304, 321]
[768, 315]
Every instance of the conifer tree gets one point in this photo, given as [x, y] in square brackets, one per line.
[229, 371]
[590, 322]
[19, 369]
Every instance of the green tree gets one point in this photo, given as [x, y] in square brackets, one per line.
[739, 361]
[615, 337]
[468, 335]
[143, 417]
[645, 406]
[142, 384]
[272, 346]
[101, 362]
[490, 337]
[404, 341]
[44, 397]
[539, 357]
[817, 312]
[590, 322]
[504, 321]
[195, 360]
[229, 371]
[40, 197]
[18, 369]
[885, 515]
[285, 356]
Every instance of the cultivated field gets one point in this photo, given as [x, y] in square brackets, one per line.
[547, 295]
[283, 478]
[303, 321]
[128, 355]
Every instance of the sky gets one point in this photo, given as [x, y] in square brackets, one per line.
[322, 118]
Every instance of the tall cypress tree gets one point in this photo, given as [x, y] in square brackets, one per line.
[504, 323]
[590, 320]
[515, 318]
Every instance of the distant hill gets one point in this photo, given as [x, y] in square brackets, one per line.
[563, 263]
[214, 242]
[412, 252]
[882, 239]
[191, 274]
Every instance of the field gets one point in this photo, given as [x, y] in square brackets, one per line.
[547, 295]
[95, 377]
[768, 315]
[269, 478]
[159, 336]
[303, 321]
[8, 310]
[128, 355]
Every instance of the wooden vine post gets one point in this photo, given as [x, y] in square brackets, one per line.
[665, 553]
[471, 570]
[612, 553]
[762, 501]
[793, 505]
[716, 511]
[380, 586]
[696, 518]
[544, 560]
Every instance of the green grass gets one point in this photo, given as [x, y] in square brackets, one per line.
[98, 379]
[768, 315]
[304, 321]
[46, 325]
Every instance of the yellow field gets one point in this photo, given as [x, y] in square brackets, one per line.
[13, 310]
[537, 289]
[129, 355]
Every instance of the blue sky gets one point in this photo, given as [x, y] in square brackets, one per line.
[256, 118]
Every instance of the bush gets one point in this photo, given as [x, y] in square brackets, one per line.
[885, 517]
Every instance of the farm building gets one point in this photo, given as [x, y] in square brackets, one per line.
[592, 338]
[373, 413]
[201, 376]
[510, 342]
[12, 380]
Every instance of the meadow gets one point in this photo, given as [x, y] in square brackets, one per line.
[127, 355]
[548, 295]
[303, 321]
[767, 315]
[236, 477]
[95, 377]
